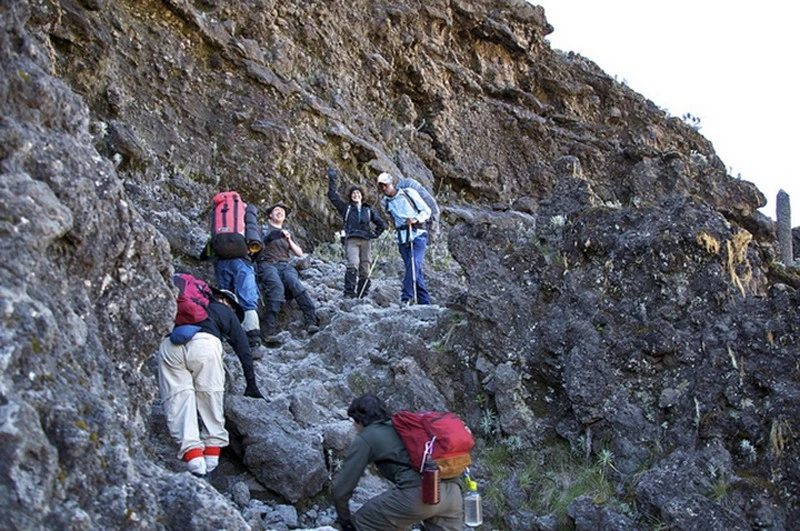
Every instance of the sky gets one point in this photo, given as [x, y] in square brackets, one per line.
[734, 65]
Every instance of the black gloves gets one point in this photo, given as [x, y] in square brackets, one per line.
[332, 174]
[348, 527]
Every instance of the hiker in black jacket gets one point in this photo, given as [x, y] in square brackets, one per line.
[358, 235]
[191, 379]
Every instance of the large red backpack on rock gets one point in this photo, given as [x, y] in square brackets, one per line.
[193, 298]
[442, 437]
[228, 226]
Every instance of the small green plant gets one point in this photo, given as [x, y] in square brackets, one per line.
[359, 384]
[514, 443]
[719, 489]
[480, 399]
[605, 460]
[749, 451]
[490, 425]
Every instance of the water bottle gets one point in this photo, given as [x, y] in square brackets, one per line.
[473, 513]
[430, 483]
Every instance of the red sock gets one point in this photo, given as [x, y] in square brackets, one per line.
[194, 453]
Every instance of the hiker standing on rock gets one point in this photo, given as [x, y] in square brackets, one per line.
[278, 275]
[235, 237]
[377, 442]
[357, 236]
[191, 381]
[409, 212]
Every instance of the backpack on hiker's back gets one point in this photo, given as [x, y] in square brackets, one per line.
[234, 226]
[432, 224]
[441, 437]
[194, 295]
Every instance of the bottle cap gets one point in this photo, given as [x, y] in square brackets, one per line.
[471, 485]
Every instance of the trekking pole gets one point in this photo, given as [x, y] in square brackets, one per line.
[413, 266]
[372, 267]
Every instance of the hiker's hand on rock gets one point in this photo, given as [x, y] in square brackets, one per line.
[332, 174]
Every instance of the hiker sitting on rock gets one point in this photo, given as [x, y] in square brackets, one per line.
[191, 381]
[409, 211]
[277, 274]
[357, 236]
[401, 506]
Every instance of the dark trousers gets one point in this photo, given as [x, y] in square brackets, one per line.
[414, 252]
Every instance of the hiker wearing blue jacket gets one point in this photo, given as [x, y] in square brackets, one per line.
[409, 212]
[239, 275]
[191, 381]
[358, 235]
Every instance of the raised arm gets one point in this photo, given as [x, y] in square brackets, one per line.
[337, 201]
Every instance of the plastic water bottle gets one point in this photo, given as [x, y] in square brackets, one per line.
[430, 483]
[473, 512]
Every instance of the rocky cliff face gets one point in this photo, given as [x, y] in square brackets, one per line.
[607, 295]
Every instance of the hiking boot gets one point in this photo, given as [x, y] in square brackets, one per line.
[271, 319]
[363, 287]
[350, 283]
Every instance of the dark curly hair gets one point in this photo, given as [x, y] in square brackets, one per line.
[353, 189]
[367, 409]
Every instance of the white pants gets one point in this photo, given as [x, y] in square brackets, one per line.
[191, 379]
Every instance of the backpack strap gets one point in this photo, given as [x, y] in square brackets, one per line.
[346, 215]
[410, 199]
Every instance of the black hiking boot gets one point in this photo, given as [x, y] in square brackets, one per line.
[350, 283]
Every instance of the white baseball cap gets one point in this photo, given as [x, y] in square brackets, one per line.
[385, 178]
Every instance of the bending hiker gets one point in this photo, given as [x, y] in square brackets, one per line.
[278, 275]
[396, 509]
[409, 212]
[357, 237]
[191, 379]
[234, 236]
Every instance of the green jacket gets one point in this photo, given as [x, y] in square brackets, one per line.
[377, 443]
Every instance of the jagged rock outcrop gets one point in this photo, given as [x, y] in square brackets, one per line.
[604, 289]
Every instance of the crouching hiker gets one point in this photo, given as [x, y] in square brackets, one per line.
[191, 375]
[357, 236]
[377, 442]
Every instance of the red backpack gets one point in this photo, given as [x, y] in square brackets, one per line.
[193, 298]
[442, 437]
[228, 226]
